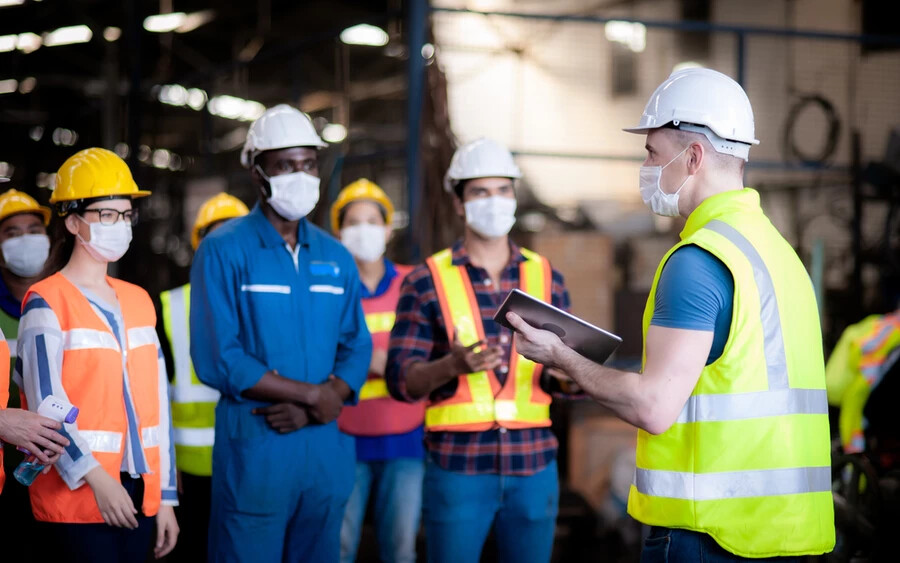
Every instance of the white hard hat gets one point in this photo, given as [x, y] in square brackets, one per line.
[280, 127]
[704, 101]
[483, 158]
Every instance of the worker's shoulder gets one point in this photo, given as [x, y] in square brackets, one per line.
[131, 292]
[419, 276]
[230, 232]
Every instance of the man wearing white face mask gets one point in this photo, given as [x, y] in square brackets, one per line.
[733, 451]
[277, 328]
[491, 454]
[389, 451]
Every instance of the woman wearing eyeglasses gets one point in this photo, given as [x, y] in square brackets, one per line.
[90, 339]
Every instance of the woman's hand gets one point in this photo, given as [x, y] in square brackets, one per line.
[112, 499]
[166, 531]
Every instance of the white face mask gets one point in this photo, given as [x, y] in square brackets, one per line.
[365, 241]
[25, 255]
[108, 242]
[491, 217]
[293, 195]
[659, 202]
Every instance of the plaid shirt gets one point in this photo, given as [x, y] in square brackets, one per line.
[420, 334]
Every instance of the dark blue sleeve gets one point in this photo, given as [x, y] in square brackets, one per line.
[695, 292]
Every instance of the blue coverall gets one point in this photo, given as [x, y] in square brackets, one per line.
[256, 306]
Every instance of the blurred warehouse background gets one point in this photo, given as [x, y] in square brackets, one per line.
[395, 85]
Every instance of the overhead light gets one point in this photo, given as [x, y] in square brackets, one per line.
[112, 34]
[164, 23]
[144, 153]
[27, 85]
[231, 107]
[334, 133]
[64, 137]
[8, 86]
[36, 133]
[195, 20]
[178, 21]
[196, 98]
[160, 158]
[6, 169]
[6, 3]
[365, 34]
[427, 51]
[121, 149]
[46, 180]
[631, 34]
[8, 43]
[29, 42]
[173, 95]
[68, 36]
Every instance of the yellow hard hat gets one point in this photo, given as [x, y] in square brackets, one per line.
[93, 173]
[217, 208]
[360, 190]
[14, 202]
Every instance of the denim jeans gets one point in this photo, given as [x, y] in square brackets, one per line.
[397, 486]
[668, 545]
[460, 510]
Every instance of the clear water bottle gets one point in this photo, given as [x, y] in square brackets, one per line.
[59, 410]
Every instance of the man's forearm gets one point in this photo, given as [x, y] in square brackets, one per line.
[424, 377]
[275, 388]
[617, 390]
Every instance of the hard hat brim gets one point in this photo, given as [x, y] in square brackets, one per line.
[132, 195]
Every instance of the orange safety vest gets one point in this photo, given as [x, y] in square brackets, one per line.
[93, 381]
[480, 403]
[377, 414]
[4, 399]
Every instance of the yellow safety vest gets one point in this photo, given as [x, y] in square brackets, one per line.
[480, 402]
[865, 352]
[748, 461]
[193, 403]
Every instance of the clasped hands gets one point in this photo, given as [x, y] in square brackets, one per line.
[322, 405]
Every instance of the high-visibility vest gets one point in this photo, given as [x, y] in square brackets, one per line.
[4, 399]
[874, 348]
[748, 460]
[377, 414]
[92, 376]
[480, 403]
[193, 403]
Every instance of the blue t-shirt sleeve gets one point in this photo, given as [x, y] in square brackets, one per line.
[695, 292]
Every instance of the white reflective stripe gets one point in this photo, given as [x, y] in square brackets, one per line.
[738, 406]
[88, 338]
[197, 437]
[773, 342]
[266, 288]
[102, 441]
[194, 394]
[141, 336]
[13, 344]
[733, 484]
[180, 339]
[332, 289]
[150, 436]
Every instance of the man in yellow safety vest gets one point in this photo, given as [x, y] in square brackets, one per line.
[193, 403]
[733, 452]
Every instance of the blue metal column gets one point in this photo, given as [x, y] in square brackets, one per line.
[417, 22]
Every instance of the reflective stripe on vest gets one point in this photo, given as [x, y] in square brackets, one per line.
[521, 402]
[195, 437]
[193, 403]
[748, 459]
[376, 388]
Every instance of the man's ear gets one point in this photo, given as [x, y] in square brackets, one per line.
[696, 155]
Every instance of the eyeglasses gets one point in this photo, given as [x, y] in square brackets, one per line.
[111, 216]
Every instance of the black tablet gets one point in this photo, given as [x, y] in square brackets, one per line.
[591, 342]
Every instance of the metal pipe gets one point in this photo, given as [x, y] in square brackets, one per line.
[417, 19]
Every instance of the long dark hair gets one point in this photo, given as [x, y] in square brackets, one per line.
[62, 243]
